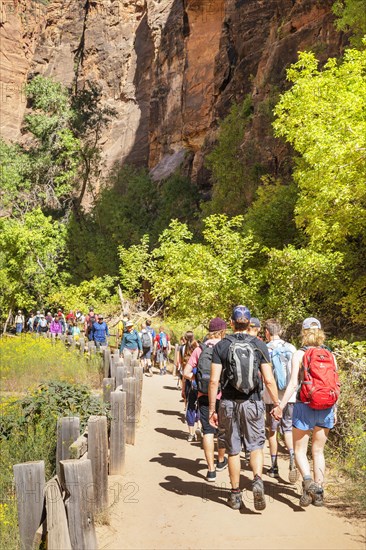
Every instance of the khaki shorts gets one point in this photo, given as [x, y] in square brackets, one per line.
[283, 425]
[242, 419]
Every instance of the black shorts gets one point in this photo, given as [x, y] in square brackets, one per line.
[204, 416]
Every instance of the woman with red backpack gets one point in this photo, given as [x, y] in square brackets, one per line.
[314, 375]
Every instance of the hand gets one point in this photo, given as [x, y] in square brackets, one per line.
[214, 420]
[276, 412]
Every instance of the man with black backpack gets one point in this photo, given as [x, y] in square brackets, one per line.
[241, 362]
[198, 369]
[280, 353]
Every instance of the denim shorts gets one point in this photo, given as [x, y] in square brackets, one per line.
[305, 418]
[239, 419]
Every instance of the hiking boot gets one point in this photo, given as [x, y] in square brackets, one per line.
[310, 490]
[220, 466]
[191, 438]
[318, 497]
[234, 500]
[258, 494]
[293, 473]
[273, 471]
[211, 476]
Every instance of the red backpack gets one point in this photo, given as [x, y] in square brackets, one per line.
[320, 387]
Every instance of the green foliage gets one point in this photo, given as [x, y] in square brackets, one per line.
[348, 440]
[232, 190]
[14, 185]
[31, 253]
[134, 263]
[97, 292]
[298, 282]
[198, 281]
[322, 116]
[271, 216]
[351, 16]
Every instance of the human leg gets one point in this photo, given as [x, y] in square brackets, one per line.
[320, 436]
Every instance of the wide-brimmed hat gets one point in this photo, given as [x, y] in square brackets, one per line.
[129, 324]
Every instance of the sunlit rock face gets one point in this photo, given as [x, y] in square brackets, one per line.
[170, 68]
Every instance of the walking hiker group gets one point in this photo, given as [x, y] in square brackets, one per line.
[237, 386]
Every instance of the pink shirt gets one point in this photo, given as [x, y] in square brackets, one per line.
[193, 360]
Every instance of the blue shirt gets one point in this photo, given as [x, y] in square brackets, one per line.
[100, 332]
[131, 340]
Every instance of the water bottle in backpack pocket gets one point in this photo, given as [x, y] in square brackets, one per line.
[319, 386]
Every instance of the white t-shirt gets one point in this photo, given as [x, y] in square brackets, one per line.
[281, 393]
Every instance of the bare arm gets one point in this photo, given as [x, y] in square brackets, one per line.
[268, 378]
[292, 385]
[216, 369]
[188, 372]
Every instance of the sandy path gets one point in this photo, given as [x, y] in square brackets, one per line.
[163, 500]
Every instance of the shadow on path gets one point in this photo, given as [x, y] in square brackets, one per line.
[205, 491]
[171, 460]
[180, 415]
[175, 434]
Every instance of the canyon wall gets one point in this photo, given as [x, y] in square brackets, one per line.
[170, 68]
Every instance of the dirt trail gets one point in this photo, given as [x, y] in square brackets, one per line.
[163, 500]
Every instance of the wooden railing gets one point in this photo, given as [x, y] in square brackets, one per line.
[61, 512]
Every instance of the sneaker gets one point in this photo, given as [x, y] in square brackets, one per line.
[293, 473]
[234, 500]
[220, 466]
[258, 494]
[199, 434]
[309, 490]
[190, 438]
[211, 476]
[273, 471]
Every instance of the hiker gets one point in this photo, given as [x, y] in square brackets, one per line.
[49, 318]
[147, 336]
[178, 363]
[30, 322]
[88, 324]
[254, 327]
[314, 411]
[189, 389]
[42, 325]
[281, 354]
[75, 330]
[56, 327]
[99, 332]
[199, 367]
[19, 322]
[70, 316]
[36, 320]
[241, 362]
[131, 345]
[162, 349]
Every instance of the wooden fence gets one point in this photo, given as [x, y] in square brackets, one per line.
[61, 512]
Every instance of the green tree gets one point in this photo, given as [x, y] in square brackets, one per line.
[351, 16]
[232, 189]
[134, 264]
[32, 254]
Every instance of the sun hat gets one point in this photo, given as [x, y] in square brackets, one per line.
[240, 313]
[217, 324]
[129, 324]
[255, 322]
[311, 322]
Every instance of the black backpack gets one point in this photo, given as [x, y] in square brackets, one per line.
[243, 371]
[204, 368]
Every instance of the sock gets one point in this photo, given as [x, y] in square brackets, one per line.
[292, 454]
[274, 460]
[307, 478]
[237, 490]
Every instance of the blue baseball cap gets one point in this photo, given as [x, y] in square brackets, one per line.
[240, 313]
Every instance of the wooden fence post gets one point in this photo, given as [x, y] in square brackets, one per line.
[57, 529]
[106, 359]
[68, 430]
[29, 485]
[138, 373]
[118, 433]
[98, 454]
[108, 387]
[78, 481]
[127, 361]
[82, 344]
[129, 385]
[121, 374]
